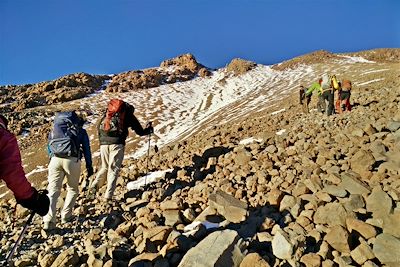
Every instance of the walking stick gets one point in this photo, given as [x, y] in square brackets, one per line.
[148, 155]
[21, 236]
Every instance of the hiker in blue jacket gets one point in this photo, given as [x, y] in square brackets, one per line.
[68, 141]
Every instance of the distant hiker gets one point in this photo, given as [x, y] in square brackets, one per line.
[67, 142]
[12, 173]
[325, 89]
[113, 131]
[316, 87]
[344, 96]
[303, 99]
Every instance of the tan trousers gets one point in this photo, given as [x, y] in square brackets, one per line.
[111, 162]
[58, 169]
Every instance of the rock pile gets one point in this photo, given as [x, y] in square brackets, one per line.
[179, 69]
[64, 89]
[320, 56]
[380, 55]
[239, 66]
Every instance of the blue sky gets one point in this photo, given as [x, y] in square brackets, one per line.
[42, 40]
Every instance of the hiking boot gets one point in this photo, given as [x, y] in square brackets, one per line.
[48, 226]
[68, 219]
[91, 193]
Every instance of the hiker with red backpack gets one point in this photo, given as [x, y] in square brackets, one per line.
[113, 130]
[343, 102]
[67, 142]
[12, 173]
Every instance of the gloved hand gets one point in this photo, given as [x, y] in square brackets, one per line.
[39, 202]
[150, 128]
[89, 171]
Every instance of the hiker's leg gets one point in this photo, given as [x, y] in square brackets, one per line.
[100, 175]
[329, 97]
[72, 167]
[55, 178]
[320, 104]
[116, 157]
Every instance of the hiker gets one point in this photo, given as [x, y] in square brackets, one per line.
[316, 87]
[67, 141]
[12, 173]
[303, 99]
[344, 96]
[113, 131]
[325, 89]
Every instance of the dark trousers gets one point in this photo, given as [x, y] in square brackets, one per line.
[327, 96]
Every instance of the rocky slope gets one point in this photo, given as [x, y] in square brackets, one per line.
[179, 69]
[267, 188]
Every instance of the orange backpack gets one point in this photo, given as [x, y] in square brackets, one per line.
[114, 120]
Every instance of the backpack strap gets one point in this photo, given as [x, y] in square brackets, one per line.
[2, 125]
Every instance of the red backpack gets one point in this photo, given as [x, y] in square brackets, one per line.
[114, 119]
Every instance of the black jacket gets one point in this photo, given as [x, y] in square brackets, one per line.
[130, 122]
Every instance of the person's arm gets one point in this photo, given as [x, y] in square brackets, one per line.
[86, 151]
[135, 125]
[313, 87]
[11, 170]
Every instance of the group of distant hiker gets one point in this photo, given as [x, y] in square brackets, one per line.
[327, 89]
[68, 141]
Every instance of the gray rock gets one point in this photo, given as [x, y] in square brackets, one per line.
[365, 229]
[386, 249]
[219, 249]
[226, 205]
[393, 126]
[391, 224]
[338, 237]
[362, 162]
[282, 246]
[174, 204]
[362, 253]
[332, 214]
[379, 203]
[68, 257]
[254, 260]
[353, 185]
[354, 202]
[172, 217]
[335, 190]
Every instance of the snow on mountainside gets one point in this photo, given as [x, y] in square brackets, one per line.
[241, 170]
[180, 109]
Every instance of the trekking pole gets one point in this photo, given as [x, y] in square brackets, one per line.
[148, 156]
[21, 236]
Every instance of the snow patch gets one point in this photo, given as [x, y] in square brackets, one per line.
[368, 82]
[37, 170]
[249, 141]
[147, 179]
[278, 111]
[374, 71]
[281, 132]
[350, 59]
[192, 228]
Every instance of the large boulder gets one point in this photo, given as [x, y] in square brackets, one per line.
[219, 249]
[240, 66]
[68, 257]
[226, 205]
[386, 249]
[332, 214]
[282, 246]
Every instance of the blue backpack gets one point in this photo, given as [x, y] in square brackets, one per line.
[63, 139]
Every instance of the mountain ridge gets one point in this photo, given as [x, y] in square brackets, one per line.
[308, 185]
